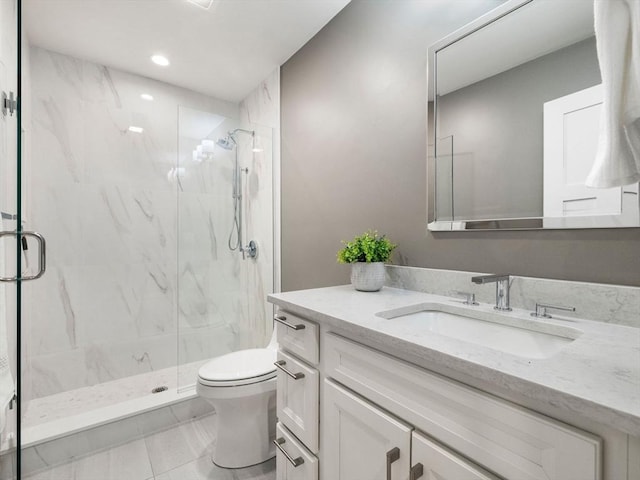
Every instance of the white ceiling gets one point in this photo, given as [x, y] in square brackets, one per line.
[224, 51]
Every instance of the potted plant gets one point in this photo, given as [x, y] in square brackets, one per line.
[367, 254]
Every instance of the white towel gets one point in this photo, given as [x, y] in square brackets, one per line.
[617, 25]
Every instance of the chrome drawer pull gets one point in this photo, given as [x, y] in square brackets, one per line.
[281, 363]
[416, 471]
[296, 462]
[392, 456]
[283, 320]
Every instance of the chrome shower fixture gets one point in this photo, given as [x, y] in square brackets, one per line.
[235, 241]
[227, 142]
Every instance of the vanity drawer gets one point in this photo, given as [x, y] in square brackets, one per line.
[298, 399]
[504, 438]
[301, 464]
[299, 336]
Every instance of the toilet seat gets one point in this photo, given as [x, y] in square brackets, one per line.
[244, 367]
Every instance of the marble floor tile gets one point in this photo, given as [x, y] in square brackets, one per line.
[178, 446]
[263, 471]
[205, 469]
[125, 462]
[201, 469]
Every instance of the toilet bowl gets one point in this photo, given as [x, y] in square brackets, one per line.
[241, 386]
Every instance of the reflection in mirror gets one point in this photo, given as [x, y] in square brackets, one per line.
[516, 115]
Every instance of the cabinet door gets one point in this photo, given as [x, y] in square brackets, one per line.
[360, 441]
[298, 399]
[293, 460]
[438, 463]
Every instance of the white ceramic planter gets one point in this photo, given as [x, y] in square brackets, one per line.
[367, 277]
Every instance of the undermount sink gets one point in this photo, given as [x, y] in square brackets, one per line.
[524, 338]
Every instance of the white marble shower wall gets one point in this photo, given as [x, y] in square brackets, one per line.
[105, 200]
[260, 111]
[222, 298]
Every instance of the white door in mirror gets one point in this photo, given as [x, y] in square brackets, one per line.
[571, 128]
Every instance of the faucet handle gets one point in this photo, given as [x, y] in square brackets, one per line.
[541, 310]
[470, 298]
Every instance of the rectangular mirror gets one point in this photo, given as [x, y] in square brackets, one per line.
[516, 107]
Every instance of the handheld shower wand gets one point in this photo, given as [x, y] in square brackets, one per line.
[228, 143]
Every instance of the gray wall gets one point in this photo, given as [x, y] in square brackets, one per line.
[354, 146]
[506, 110]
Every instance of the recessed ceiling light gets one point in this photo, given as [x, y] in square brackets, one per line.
[160, 60]
[135, 129]
[146, 96]
[206, 4]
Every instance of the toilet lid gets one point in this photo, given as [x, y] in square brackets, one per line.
[239, 368]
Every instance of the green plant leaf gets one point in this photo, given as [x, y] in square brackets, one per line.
[368, 247]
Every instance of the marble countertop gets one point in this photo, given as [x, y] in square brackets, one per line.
[596, 376]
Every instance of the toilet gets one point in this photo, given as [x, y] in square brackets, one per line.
[241, 386]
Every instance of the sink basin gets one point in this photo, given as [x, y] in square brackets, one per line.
[524, 338]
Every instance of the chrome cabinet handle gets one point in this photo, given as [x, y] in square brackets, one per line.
[296, 462]
[281, 363]
[416, 471]
[42, 258]
[283, 320]
[392, 456]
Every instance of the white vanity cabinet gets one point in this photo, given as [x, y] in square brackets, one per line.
[505, 439]
[362, 442]
[298, 398]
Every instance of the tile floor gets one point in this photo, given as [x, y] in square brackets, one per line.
[179, 453]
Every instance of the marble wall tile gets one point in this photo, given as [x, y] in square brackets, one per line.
[616, 304]
[261, 106]
[259, 111]
[138, 256]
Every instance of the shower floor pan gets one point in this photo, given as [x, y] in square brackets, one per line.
[48, 418]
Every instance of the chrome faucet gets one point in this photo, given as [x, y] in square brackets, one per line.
[502, 289]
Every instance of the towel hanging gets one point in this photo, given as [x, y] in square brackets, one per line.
[617, 26]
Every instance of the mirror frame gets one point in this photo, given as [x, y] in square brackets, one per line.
[525, 223]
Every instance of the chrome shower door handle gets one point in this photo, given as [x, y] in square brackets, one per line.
[296, 462]
[42, 257]
[392, 456]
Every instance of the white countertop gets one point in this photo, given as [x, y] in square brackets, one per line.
[596, 376]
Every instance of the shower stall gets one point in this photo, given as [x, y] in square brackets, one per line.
[157, 206]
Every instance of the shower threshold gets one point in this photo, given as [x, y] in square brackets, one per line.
[73, 411]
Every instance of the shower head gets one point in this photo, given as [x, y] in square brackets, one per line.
[227, 142]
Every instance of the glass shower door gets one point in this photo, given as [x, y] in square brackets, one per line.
[225, 200]
[10, 225]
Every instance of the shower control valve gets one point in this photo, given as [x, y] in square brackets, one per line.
[251, 250]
